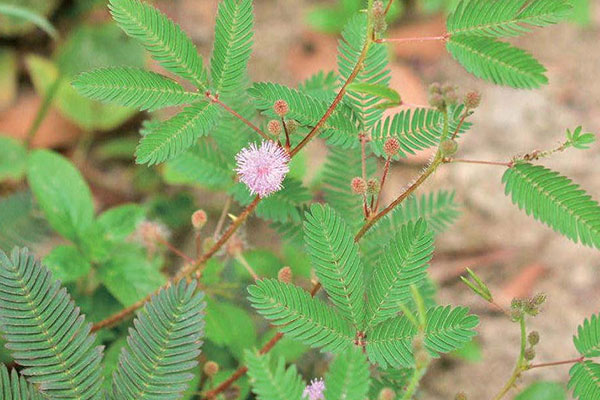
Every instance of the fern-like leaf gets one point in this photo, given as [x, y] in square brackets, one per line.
[307, 110]
[587, 340]
[505, 18]
[172, 137]
[497, 62]
[334, 255]
[165, 40]
[233, 45]
[301, 316]
[133, 87]
[375, 69]
[446, 329]
[15, 387]
[403, 263]
[585, 380]
[556, 201]
[201, 165]
[270, 383]
[163, 347]
[45, 332]
[416, 130]
[348, 377]
[438, 209]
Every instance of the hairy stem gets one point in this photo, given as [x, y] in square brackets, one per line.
[413, 39]
[555, 363]
[460, 160]
[415, 380]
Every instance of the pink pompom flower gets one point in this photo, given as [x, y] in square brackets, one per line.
[262, 168]
[315, 390]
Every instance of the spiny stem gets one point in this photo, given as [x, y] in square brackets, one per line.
[555, 363]
[460, 160]
[413, 39]
[184, 272]
[215, 99]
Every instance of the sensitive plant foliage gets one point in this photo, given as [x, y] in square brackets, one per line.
[378, 314]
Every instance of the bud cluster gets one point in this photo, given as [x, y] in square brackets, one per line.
[443, 96]
[530, 306]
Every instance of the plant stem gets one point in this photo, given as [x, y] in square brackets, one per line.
[459, 160]
[287, 134]
[222, 218]
[240, 257]
[422, 178]
[555, 363]
[43, 110]
[461, 123]
[174, 249]
[521, 364]
[215, 99]
[415, 380]
[413, 39]
[386, 169]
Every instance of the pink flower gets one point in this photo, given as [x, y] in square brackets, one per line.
[315, 390]
[262, 168]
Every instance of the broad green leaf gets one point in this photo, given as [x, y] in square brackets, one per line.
[61, 192]
[227, 331]
[120, 222]
[28, 15]
[128, 275]
[543, 391]
[67, 263]
[15, 26]
[13, 159]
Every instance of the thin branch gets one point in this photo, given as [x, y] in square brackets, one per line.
[247, 266]
[43, 110]
[460, 124]
[215, 99]
[552, 364]
[174, 249]
[459, 160]
[413, 39]
[287, 134]
[222, 218]
[386, 170]
[389, 6]
[422, 178]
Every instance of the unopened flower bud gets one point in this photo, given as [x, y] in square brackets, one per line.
[274, 127]
[285, 275]
[451, 98]
[373, 186]
[281, 108]
[472, 100]
[435, 88]
[533, 338]
[386, 394]
[359, 186]
[529, 354]
[448, 89]
[199, 219]
[436, 100]
[449, 147]
[211, 368]
[516, 315]
[391, 147]
[516, 304]
[460, 396]
[539, 299]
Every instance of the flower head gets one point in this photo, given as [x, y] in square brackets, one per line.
[315, 390]
[262, 168]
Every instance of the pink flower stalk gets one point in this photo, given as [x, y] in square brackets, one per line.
[262, 168]
[315, 390]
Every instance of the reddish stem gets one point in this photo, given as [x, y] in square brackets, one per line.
[174, 249]
[445, 36]
[499, 163]
[287, 135]
[552, 364]
[386, 169]
[215, 99]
